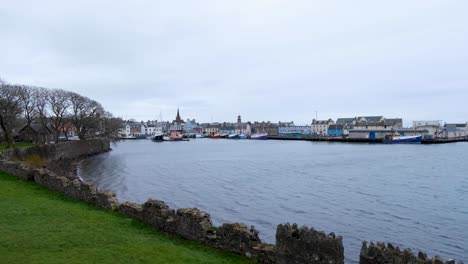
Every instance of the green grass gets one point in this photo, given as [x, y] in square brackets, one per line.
[17, 145]
[40, 226]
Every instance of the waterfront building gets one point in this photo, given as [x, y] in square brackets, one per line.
[433, 127]
[211, 129]
[264, 127]
[294, 130]
[455, 131]
[320, 127]
[190, 125]
[242, 127]
[336, 130]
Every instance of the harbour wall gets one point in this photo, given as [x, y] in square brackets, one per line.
[362, 140]
[294, 244]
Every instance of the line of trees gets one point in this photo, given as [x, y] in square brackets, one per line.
[24, 105]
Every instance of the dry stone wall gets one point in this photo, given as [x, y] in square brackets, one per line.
[293, 244]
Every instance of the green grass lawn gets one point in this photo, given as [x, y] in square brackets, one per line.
[17, 145]
[40, 226]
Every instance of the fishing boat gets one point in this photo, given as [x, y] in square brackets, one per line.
[243, 136]
[259, 136]
[224, 135]
[158, 138]
[233, 136]
[199, 136]
[397, 139]
[216, 136]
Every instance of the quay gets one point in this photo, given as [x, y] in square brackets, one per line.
[363, 140]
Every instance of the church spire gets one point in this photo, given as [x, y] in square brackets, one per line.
[178, 119]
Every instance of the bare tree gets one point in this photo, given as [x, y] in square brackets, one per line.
[85, 115]
[42, 103]
[10, 111]
[59, 102]
[28, 97]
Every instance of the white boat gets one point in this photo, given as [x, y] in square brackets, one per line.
[243, 136]
[199, 136]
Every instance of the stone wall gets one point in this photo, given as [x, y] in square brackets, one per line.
[64, 150]
[60, 158]
[293, 244]
[381, 253]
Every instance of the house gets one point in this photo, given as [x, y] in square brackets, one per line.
[36, 133]
[190, 125]
[320, 127]
[336, 130]
[211, 129]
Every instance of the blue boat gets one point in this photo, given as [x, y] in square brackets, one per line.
[262, 136]
[395, 139]
[243, 136]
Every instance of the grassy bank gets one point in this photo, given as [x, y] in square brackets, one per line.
[39, 226]
[17, 145]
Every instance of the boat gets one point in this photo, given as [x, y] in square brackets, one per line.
[158, 138]
[397, 139]
[166, 138]
[224, 135]
[243, 136]
[199, 136]
[259, 136]
[233, 136]
[216, 136]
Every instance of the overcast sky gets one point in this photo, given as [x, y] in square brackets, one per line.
[266, 60]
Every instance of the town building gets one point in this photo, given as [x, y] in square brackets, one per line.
[294, 130]
[433, 127]
[320, 127]
[190, 125]
[455, 131]
[336, 130]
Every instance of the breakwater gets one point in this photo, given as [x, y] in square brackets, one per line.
[293, 244]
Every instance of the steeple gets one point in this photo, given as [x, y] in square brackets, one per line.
[178, 119]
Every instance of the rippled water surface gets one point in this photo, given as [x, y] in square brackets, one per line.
[411, 195]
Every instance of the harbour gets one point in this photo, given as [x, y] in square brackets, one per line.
[411, 194]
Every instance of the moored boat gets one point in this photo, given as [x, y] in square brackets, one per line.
[243, 136]
[233, 136]
[397, 139]
[158, 138]
[216, 136]
[259, 136]
[199, 136]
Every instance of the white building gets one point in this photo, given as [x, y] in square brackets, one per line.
[285, 130]
[454, 131]
[320, 127]
[433, 127]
